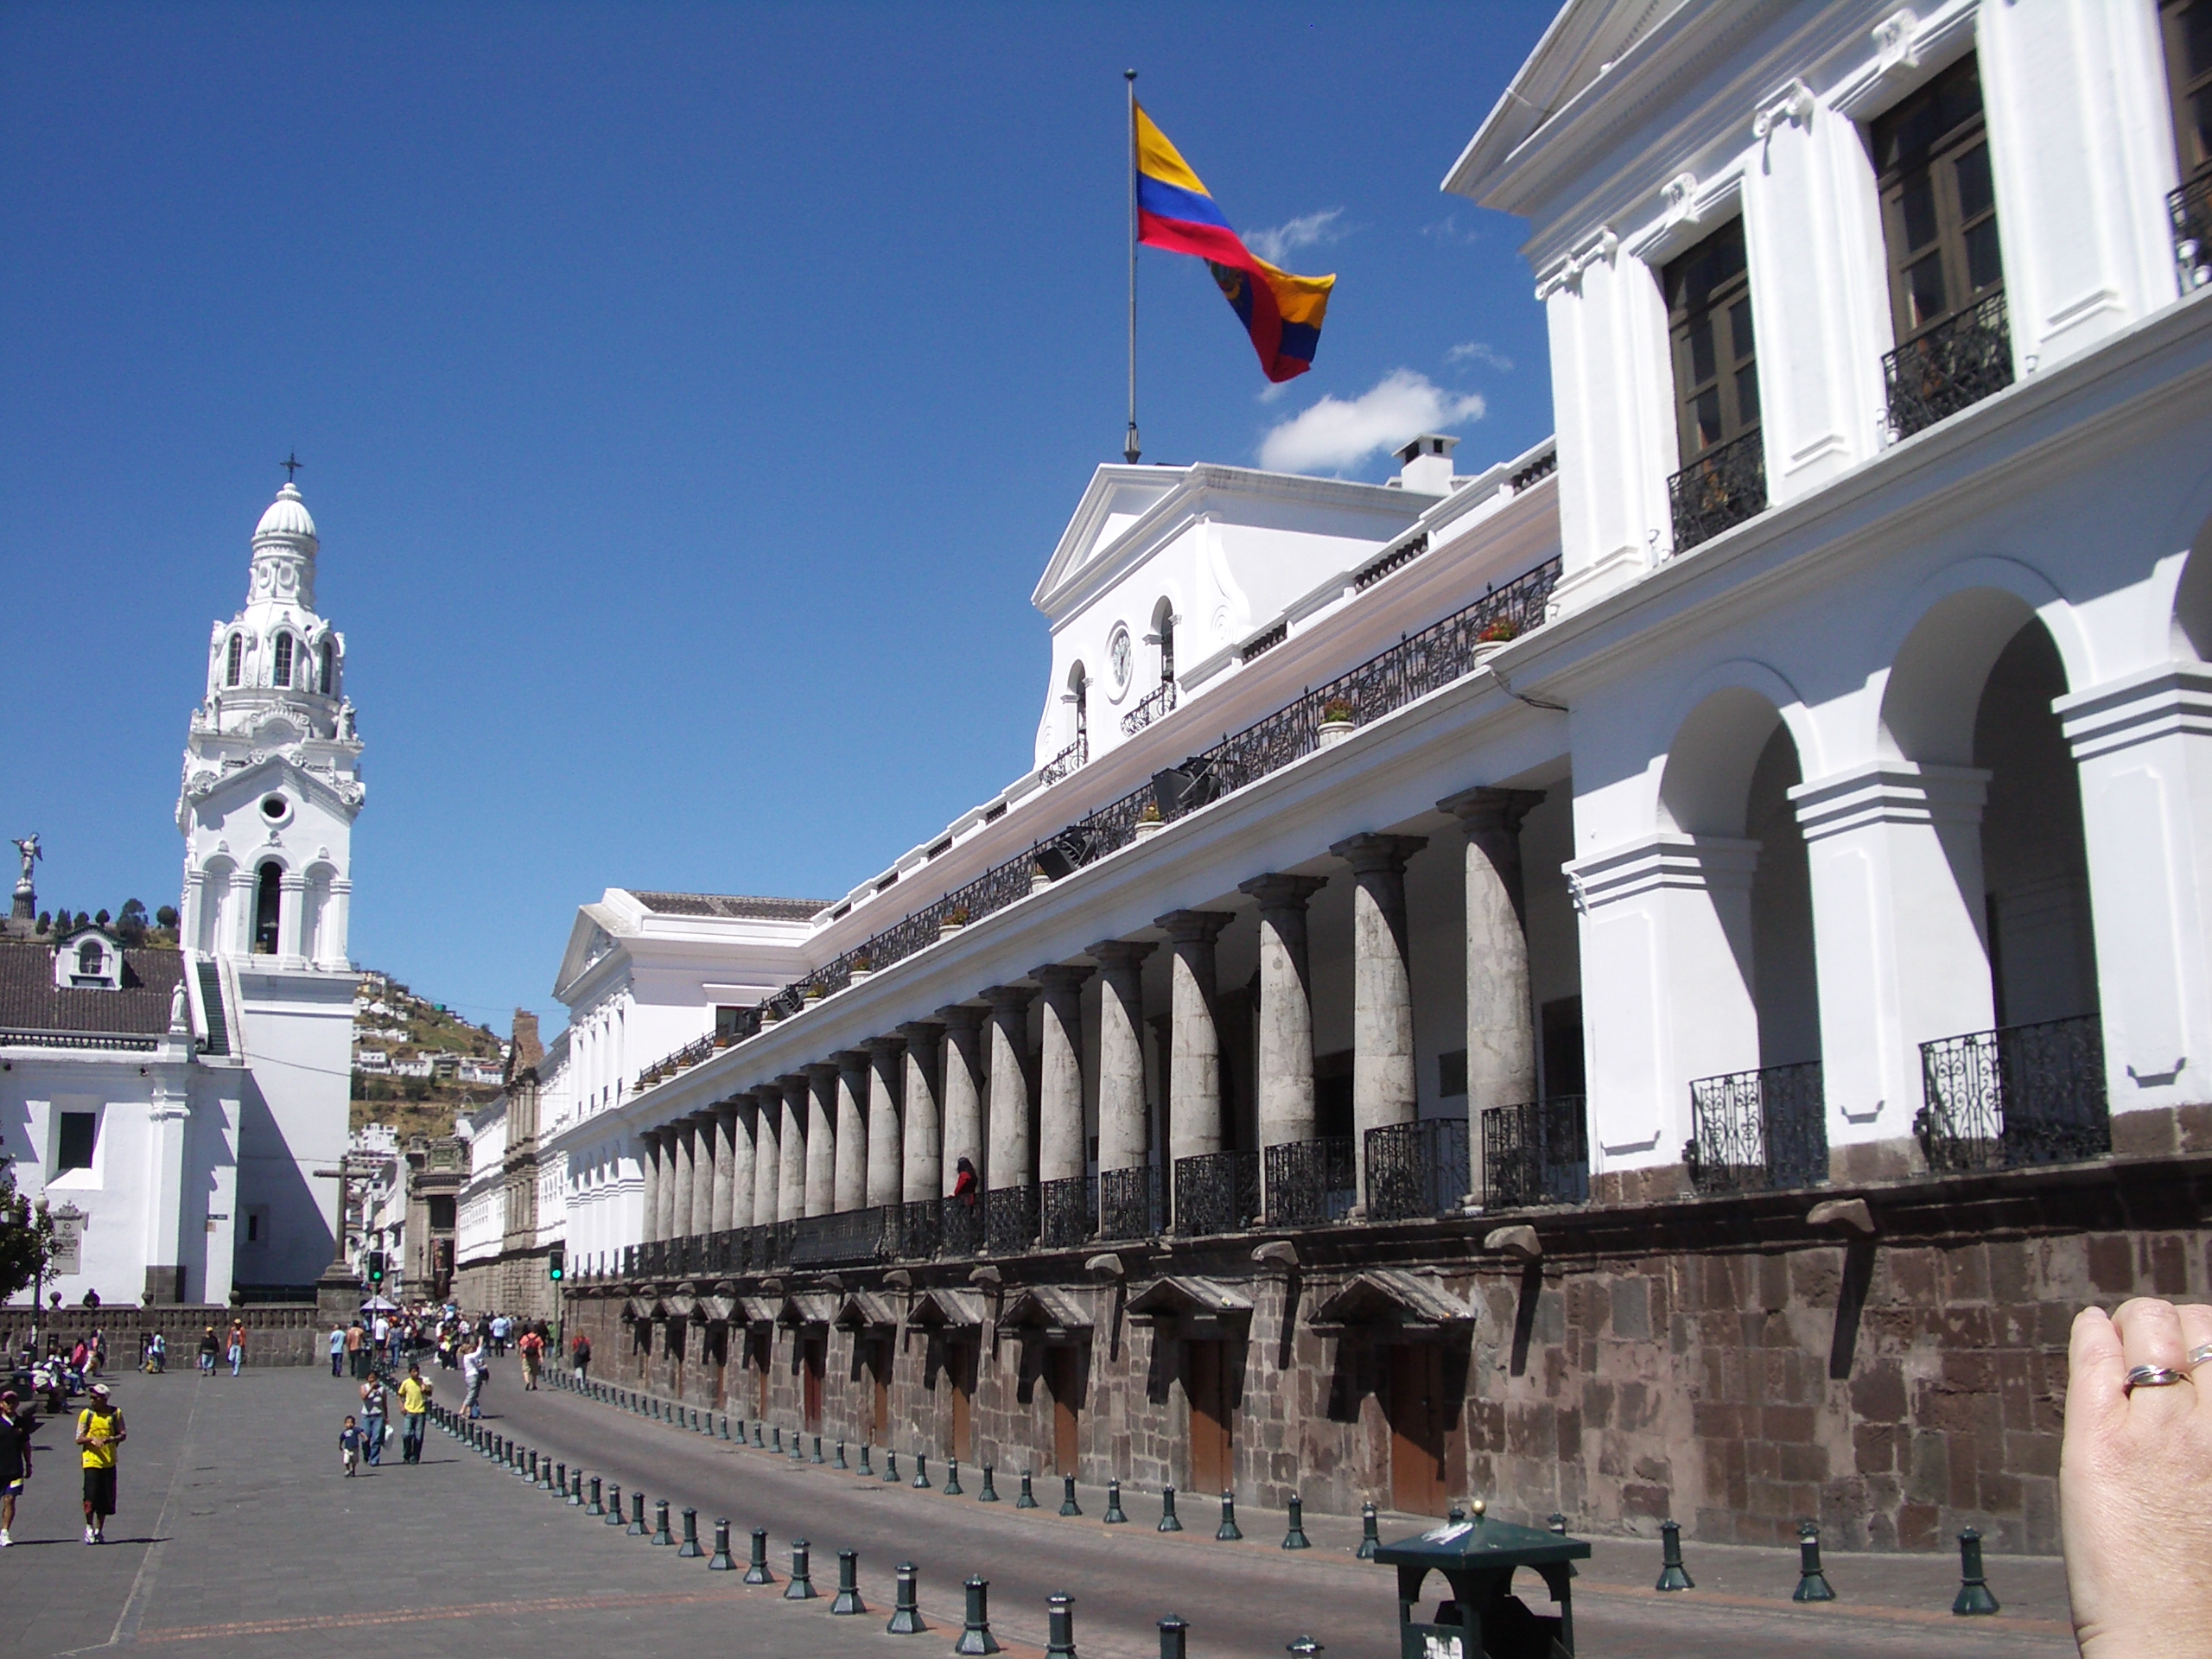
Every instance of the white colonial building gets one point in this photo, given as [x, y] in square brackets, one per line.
[1490, 979]
[185, 1099]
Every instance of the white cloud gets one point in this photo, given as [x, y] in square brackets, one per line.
[1277, 244]
[1338, 433]
[1448, 230]
[1474, 351]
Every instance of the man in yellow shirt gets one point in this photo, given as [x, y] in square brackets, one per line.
[99, 1431]
[413, 1411]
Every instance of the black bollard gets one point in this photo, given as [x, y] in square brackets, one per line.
[1114, 1517]
[576, 1489]
[1059, 1627]
[756, 1440]
[1973, 1597]
[1228, 1530]
[1557, 1522]
[1068, 1505]
[921, 1472]
[848, 1584]
[689, 1549]
[801, 1588]
[952, 1478]
[1370, 1539]
[890, 1467]
[838, 1462]
[1296, 1538]
[1172, 1633]
[818, 1457]
[990, 1493]
[1026, 1499]
[756, 1570]
[560, 1480]
[975, 1636]
[725, 1426]
[1671, 1574]
[637, 1529]
[595, 1508]
[906, 1616]
[1812, 1583]
[798, 1450]
[544, 1482]
[662, 1536]
[1168, 1523]
[777, 1446]
[866, 1467]
[613, 1515]
[720, 1560]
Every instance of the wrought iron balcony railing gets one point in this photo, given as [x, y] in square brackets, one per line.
[1010, 1220]
[1067, 1211]
[1753, 1131]
[1416, 1169]
[847, 1238]
[1953, 366]
[960, 1227]
[1129, 1203]
[1217, 1192]
[1535, 1153]
[1720, 489]
[1310, 1183]
[1160, 701]
[2191, 209]
[1066, 763]
[2019, 1095]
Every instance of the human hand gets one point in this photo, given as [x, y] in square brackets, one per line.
[2134, 1473]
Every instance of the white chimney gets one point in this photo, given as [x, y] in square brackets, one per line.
[1425, 464]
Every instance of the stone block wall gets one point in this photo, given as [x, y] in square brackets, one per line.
[277, 1334]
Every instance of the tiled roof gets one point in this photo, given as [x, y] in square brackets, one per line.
[29, 1001]
[735, 906]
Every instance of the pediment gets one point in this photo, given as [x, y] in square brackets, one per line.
[863, 1310]
[948, 1310]
[1042, 1308]
[1178, 1295]
[589, 941]
[207, 786]
[800, 1310]
[1392, 1298]
[1116, 498]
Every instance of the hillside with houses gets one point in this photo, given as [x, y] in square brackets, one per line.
[416, 1062]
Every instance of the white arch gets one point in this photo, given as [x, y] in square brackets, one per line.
[1716, 730]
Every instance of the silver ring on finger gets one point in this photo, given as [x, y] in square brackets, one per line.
[2199, 1355]
[2152, 1376]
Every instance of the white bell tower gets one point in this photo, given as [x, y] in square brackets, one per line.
[272, 769]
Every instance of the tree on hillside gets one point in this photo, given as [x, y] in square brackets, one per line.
[165, 917]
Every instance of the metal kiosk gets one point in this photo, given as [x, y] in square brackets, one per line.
[1484, 1619]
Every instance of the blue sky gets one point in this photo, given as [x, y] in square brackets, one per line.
[691, 396]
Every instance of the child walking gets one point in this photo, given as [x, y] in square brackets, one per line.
[349, 1445]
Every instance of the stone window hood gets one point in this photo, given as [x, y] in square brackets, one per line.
[758, 1310]
[799, 1313]
[718, 1307]
[1048, 1314]
[1387, 1303]
[863, 1310]
[1196, 1310]
[948, 1311]
[636, 1308]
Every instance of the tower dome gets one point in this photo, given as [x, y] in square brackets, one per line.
[287, 517]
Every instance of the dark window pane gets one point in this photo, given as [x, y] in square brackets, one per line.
[1923, 284]
[1984, 267]
[1703, 363]
[1747, 396]
[1976, 193]
[1959, 95]
[1706, 412]
[2200, 122]
[1916, 205]
[1739, 329]
[76, 1137]
[2197, 38]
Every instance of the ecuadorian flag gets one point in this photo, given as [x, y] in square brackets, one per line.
[1282, 313]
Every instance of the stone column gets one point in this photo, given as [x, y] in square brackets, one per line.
[684, 1142]
[767, 1153]
[885, 1143]
[1124, 1140]
[1013, 1154]
[1501, 1020]
[964, 1094]
[708, 1130]
[1286, 1081]
[670, 1180]
[240, 919]
[333, 954]
[849, 1186]
[291, 915]
[737, 1115]
[1060, 1148]
[790, 1186]
[820, 1137]
[1382, 1085]
[923, 1158]
[166, 1114]
[648, 1168]
[1194, 1058]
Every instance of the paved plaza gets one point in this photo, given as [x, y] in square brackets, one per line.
[238, 1533]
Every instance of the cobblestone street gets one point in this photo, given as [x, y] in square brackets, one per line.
[238, 1533]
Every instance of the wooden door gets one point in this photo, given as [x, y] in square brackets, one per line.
[759, 1350]
[1064, 1374]
[1213, 1422]
[1417, 1410]
[960, 1372]
[879, 1374]
[813, 1361]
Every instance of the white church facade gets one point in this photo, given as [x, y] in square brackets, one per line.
[184, 1099]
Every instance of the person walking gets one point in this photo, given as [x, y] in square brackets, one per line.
[208, 1347]
[237, 1345]
[338, 1350]
[376, 1409]
[349, 1447]
[583, 1353]
[414, 1410]
[356, 1360]
[99, 1431]
[533, 1354]
[14, 1460]
[475, 1366]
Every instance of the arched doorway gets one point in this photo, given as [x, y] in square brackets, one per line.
[268, 909]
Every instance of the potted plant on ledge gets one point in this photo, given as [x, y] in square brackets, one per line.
[1494, 638]
[952, 922]
[1336, 722]
[1149, 822]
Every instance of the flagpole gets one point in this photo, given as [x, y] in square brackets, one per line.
[1130, 445]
